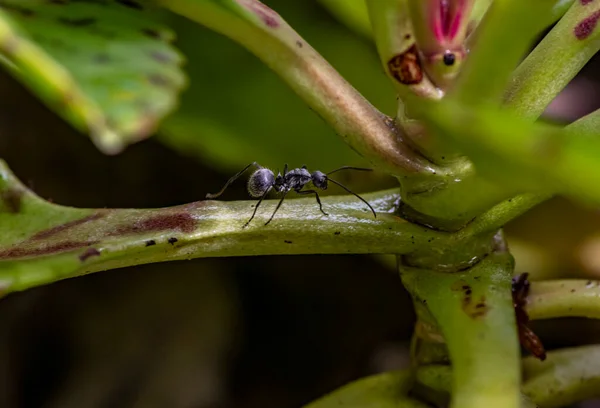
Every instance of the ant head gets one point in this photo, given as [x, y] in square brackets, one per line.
[319, 180]
[260, 182]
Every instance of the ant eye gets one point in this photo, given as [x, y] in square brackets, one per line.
[449, 58]
[260, 182]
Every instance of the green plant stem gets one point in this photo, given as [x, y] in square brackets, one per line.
[587, 126]
[562, 298]
[536, 82]
[387, 390]
[564, 378]
[475, 314]
[270, 38]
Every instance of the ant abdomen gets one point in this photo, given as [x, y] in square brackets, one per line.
[260, 182]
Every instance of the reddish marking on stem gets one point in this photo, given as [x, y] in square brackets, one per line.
[585, 2]
[26, 251]
[406, 67]
[66, 226]
[183, 222]
[586, 26]
[268, 16]
[88, 254]
[528, 339]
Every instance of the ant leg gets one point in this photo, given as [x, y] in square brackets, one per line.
[304, 192]
[276, 208]
[256, 207]
[231, 180]
[356, 195]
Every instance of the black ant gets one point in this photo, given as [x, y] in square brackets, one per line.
[263, 180]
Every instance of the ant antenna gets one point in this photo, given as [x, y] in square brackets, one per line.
[351, 192]
[348, 168]
[231, 180]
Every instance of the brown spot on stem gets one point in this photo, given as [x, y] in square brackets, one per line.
[183, 222]
[88, 254]
[267, 15]
[406, 67]
[22, 251]
[586, 26]
[66, 226]
[12, 199]
[299, 44]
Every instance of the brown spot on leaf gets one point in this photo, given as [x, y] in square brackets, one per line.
[22, 251]
[586, 26]
[131, 4]
[406, 67]
[88, 254]
[183, 222]
[266, 14]
[159, 80]
[161, 57]
[11, 199]
[66, 226]
[77, 22]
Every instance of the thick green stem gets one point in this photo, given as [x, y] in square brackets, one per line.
[475, 314]
[562, 298]
[270, 38]
[565, 377]
[438, 378]
[387, 390]
[556, 60]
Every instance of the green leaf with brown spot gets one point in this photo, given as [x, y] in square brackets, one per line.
[106, 66]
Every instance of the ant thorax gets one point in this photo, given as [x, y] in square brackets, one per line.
[292, 180]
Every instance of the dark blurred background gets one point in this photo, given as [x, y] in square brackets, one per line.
[241, 332]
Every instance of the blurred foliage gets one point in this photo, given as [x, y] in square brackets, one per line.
[107, 67]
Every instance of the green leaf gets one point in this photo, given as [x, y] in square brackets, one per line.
[388, 390]
[526, 156]
[106, 66]
[507, 31]
[42, 242]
